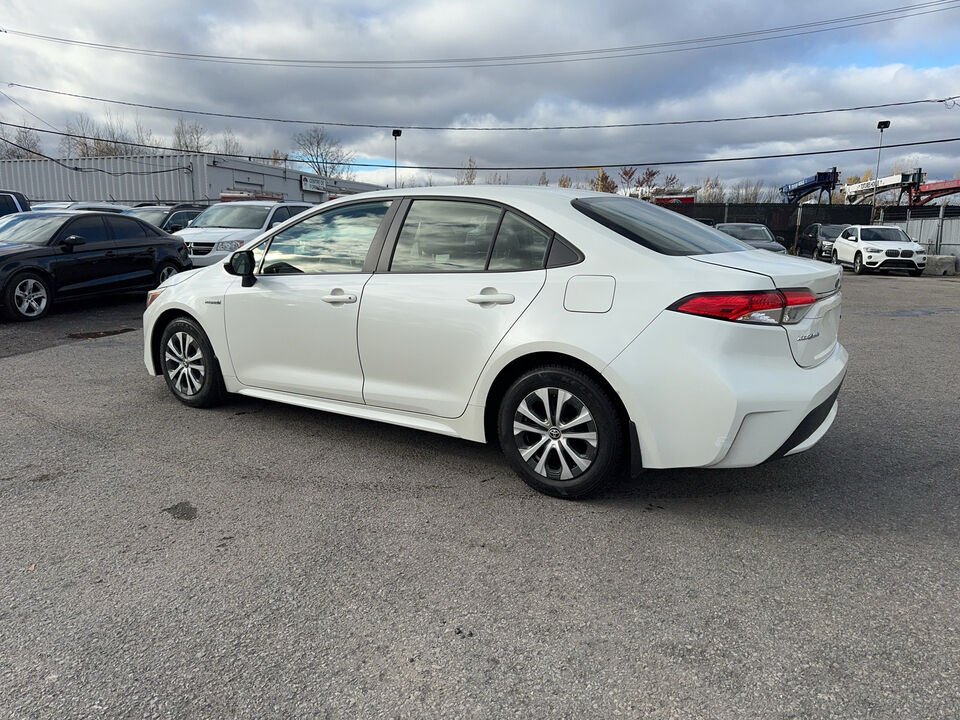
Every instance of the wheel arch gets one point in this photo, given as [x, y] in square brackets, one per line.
[518, 366]
[36, 270]
[164, 319]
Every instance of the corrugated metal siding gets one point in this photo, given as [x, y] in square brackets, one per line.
[926, 232]
[147, 178]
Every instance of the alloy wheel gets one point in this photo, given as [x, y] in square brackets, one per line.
[184, 365]
[167, 271]
[555, 433]
[30, 297]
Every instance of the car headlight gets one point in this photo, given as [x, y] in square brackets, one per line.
[153, 295]
[873, 250]
[227, 245]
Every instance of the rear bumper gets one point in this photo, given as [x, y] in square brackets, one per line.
[705, 393]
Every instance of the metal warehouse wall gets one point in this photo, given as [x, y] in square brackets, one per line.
[169, 178]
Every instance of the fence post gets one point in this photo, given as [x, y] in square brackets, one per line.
[796, 232]
[943, 207]
[725, 212]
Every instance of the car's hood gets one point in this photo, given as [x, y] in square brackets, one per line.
[7, 249]
[216, 234]
[893, 245]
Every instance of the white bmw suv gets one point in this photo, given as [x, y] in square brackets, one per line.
[225, 227]
[866, 248]
[581, 331]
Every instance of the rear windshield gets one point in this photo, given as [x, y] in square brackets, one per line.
[883, 234]
[747, 232]
[663, 231]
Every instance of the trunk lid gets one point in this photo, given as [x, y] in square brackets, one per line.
[814, 338]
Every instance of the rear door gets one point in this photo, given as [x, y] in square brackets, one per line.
[295, 329]
[89, 267]
[136, 252]
[459, 276]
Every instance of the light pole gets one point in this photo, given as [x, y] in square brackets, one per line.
[881, 126]
[396, 134]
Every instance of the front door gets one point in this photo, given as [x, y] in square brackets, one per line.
[295, 329]
[454, 286]
[89, 267]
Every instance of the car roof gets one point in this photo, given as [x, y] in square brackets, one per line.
[261, 203]
[741, 224]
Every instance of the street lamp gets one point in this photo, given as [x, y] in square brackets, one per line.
[881, 126]
[397, 133]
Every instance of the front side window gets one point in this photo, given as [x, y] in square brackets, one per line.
[240, 217]
[90, 228]
[445, 236]
[336, 241]
[520, 245]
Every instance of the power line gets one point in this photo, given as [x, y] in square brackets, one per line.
[26, 110]
[578, 166]
[871, 18]
[377, 126]
[77, 168]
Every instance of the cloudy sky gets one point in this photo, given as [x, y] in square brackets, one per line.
[908, 58]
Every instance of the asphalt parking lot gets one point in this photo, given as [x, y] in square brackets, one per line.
[260, 560]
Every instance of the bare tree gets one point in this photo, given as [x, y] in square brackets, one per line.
[24, 144]
[495, 178]
[144, 136]
[712, 190]
[112, 137]
[325, 155]
[626, 177]
[229, 144]
[564, 181]
[467, 174]
[745, 191]
[604, 182]
[190, 136]
[543, 179]
[83, 129]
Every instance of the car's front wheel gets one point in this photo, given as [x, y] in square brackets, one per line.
[858, 267]
[27, 297]
[835, 259]
[561, 431]
[189, 364]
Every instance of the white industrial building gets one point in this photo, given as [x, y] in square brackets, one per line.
[182, 177]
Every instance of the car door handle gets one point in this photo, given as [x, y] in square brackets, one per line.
[493, 298]
[109, 253]
[338, 297]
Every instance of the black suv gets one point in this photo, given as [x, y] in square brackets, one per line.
[11, 202]
[816, 240]
[168, 218]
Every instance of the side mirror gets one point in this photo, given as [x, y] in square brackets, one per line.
[175, 227]
[71, 241]
[780, 239]
[241, 263]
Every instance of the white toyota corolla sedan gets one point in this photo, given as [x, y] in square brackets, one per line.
[584, 332]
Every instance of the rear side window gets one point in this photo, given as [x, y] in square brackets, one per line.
[520, 245]
[125, 228]
[445, 236]
[660, 230]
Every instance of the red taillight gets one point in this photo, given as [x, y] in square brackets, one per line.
[764, 307]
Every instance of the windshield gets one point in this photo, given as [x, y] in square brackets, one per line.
[831, 231]
[154, 217]
[663, 231]
[30, 228]
[883, 234]
[249, 217]
[747, 232]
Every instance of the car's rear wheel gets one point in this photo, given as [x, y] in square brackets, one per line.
[858, 266]
[27, 297]
[561, 431]
[166, 270]
[189, 364]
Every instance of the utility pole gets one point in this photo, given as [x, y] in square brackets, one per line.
[396, 134]
[881, 126]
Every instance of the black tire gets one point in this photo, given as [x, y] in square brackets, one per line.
[916, 273]
[28, 296]
[558, 459]
[164, 271]
[858, 267]
[182, 339]
[835, 259]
